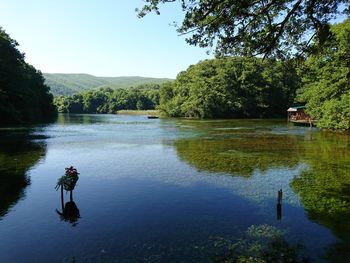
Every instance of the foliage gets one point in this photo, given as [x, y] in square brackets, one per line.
[326, 81]
[69, 84]
[68, 180]
[23, 95]
[231, 87]
[107, 100]
[253, 27]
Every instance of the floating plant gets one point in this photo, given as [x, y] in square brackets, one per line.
[69, 180]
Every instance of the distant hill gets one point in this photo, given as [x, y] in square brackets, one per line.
[67, 84]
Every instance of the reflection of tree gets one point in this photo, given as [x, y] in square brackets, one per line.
[18, 153]
[69, 211]
[239, 156]
[325, 188]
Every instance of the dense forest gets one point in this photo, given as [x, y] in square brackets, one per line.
[231, 87]
[224, 87]
[243, 87]
[325, 79]
[107, 100]
[253, 87]
[215, 88]
[24, 97]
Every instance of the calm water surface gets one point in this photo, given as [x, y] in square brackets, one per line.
[174, 190]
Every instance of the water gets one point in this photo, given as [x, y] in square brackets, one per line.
[174, 190]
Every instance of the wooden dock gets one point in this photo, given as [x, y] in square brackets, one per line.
[307, 122]
[297, 116]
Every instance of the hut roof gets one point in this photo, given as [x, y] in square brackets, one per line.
[295, 108]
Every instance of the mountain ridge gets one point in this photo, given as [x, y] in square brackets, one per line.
[71, 83]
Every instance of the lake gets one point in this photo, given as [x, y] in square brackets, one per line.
[174, 190]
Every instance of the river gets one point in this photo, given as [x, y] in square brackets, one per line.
[174, 190]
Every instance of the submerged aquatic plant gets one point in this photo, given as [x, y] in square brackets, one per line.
[259, 243]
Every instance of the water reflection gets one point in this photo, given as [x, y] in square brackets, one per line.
[323, 185]
[279, 204]
[85, 119]
[160, 209]
[324, 189]
[259, 243]
[239, 156]
[69, 211]
[20, 150]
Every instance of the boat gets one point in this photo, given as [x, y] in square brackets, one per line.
[152, 117]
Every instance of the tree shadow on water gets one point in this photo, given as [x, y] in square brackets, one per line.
[20, 150]
[69, 211]
[323, 188]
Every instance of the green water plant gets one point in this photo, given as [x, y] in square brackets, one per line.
[259, 243]
[69, 180]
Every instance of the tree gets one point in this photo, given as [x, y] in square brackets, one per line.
[23, 95]
[107, 100]
[254, 27]
[326, 81]
[231, 87]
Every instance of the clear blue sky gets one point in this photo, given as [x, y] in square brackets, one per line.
[99, 37]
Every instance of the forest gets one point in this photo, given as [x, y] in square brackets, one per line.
[231, 87]
[24, 98]
[223, 87]
[108, 100]
[242, 87]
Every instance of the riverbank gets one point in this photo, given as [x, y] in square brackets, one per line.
[138, 112]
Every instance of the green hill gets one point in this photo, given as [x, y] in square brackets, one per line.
[68, 84]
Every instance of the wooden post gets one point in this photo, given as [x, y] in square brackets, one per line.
[279, 204]
[279, 197]
[62, 200]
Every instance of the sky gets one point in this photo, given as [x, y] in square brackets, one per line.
[98, 37]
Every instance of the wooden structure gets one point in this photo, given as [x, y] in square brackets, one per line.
[152, 117]
[298, 116]
[279, 204]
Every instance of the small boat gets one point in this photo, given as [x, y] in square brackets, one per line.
[152, 117]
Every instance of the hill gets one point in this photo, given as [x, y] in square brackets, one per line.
[68, 84]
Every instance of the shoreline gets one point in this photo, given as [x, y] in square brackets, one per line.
[138, 112]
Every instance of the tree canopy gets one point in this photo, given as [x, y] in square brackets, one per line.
[231, 87]
[23, 95]
[107, 100]
[326, 80]
[254, 27]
